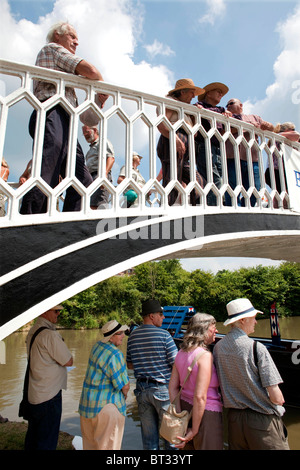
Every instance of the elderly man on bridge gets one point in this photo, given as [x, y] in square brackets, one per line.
[235, 106]
[59, 54]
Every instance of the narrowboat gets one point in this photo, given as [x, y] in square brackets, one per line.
[284, 352]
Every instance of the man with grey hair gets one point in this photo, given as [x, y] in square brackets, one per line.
[235, 106]
[59, 54]
[249, 382]
[100, 198]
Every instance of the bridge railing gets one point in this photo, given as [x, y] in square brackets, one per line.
[130, 119]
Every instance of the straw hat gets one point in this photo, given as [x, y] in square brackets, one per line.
[213, 86]
[110, 328]
[184, 84]
[238, 309]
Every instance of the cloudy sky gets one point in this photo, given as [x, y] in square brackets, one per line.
[252, 46]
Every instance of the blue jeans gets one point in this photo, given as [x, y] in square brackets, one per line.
[43, 424]
[152, 400]
[245, 180]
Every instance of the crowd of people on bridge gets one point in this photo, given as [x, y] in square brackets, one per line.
[238, 375]
[60, 54]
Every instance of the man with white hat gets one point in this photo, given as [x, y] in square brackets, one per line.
[249, 387]
[136, 175]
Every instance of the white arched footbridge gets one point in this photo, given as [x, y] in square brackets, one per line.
[47, 258]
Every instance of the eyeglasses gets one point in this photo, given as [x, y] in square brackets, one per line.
[159, 313]
[229, 104]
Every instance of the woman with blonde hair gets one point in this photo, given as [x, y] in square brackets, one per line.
[201, 391]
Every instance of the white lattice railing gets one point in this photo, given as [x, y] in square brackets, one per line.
[140, 115]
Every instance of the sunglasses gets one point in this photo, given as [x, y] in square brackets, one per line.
[229, 104]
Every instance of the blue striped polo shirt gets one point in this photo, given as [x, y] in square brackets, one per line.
[152, 352]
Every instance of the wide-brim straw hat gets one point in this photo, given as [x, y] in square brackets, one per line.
[238, 309]
[110, 328]
[185, 84]
[213, 86]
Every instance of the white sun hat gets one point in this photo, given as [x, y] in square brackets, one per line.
[238, 309]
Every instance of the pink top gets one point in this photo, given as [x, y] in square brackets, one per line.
[183, 361]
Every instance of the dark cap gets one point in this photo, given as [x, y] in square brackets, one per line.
[151, 306]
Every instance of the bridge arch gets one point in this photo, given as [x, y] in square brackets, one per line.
[53, 262]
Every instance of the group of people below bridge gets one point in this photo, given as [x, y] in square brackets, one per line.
[236, 376]
[60, 54]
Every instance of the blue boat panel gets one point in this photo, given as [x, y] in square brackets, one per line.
[176, 319]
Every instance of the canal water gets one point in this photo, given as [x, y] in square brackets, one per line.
[80, 343]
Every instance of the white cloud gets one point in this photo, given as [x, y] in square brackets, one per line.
[158, 48]
[280, 103]
[231, 264]
[216, 9]
[108, 35]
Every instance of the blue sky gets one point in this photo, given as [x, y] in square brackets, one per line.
[252, 46]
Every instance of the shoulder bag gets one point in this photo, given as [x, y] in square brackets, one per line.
[24, 405]
[175, 423]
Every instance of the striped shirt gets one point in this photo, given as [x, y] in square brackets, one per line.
[152, 352]
[105, 377]
[56, 57]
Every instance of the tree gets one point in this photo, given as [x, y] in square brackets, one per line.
[120, 297]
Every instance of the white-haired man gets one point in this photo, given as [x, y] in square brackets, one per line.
[235, 106]
[100, 198]
[249, 382]
[59, 54]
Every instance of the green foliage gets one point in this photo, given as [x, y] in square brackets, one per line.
[120, 297]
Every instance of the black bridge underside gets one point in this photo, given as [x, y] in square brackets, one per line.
[21, 245]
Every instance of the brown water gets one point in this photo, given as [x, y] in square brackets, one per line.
[80, 343]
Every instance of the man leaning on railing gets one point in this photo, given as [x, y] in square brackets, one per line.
[59, 54]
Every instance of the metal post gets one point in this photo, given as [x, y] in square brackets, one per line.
[275, 332]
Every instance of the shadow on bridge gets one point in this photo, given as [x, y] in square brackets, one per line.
[45, 264]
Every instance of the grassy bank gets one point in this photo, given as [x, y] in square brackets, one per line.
[12, 437]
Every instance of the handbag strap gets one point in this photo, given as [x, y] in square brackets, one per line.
[190, 368]
[26, 380]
